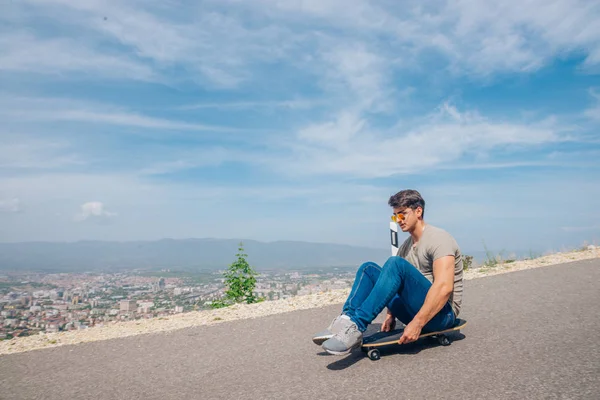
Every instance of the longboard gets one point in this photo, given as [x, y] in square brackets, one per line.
[372, 343]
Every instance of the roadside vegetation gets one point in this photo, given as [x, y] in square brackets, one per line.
[240, 281]
[501, 259]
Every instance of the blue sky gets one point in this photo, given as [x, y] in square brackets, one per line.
[296, 120]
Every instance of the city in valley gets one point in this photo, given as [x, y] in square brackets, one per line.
[41, 302]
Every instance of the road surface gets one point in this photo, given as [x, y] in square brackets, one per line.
[532, 334]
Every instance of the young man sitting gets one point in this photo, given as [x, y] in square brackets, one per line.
[421, 286]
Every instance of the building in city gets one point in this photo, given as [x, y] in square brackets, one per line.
[128, 305]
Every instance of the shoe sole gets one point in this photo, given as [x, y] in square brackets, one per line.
[319, 340]
[343, 353]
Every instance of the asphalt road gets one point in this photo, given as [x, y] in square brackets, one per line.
[532, 334]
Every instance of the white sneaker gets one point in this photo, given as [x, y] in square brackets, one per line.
[344, 341]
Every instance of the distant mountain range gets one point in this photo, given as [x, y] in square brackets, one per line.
[180, 254]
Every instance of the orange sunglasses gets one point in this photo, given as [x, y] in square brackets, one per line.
[398, 217]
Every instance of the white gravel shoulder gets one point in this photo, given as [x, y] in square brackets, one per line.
[116, 330]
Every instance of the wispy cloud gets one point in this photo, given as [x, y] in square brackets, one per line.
[475, 37]
[594, 111]
[57, 109]
[211, 47]
[126, 119]
[195, 158]
[301, 104]
[23, 52]
[349, 145]
[29, 153]
[217, 47]
[361, 74]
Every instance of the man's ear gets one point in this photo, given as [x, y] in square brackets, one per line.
[419, 211]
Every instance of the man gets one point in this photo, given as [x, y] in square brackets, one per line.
[421, 286]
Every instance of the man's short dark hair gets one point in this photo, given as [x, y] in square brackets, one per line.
[407, 198]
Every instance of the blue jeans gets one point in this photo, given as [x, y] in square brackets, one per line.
[399, 286]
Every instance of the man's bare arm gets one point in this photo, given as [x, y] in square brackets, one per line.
[437, 297]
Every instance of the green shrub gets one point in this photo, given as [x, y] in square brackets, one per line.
[490, 259]
[240, 281]
[219, 304]
[467, 262]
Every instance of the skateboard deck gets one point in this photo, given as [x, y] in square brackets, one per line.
[372, 343]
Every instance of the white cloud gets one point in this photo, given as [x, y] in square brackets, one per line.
[298, 104]
[201, 43]
[125, 119]
[29, 153]
[348, 145]
[363, 14]
[58, 109]
[334, 134]
[476, 37]
[195, 158]
[519, 36]
[56, 56]
[220, 43]
[360, 73]
[93, 209]
[593, 112]
[11, 205]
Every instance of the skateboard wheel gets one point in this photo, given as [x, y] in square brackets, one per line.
[374, 354]
[443, 340]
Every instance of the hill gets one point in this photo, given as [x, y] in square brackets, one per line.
[184, 254]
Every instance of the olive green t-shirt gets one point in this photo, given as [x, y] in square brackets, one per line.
[435, 243]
